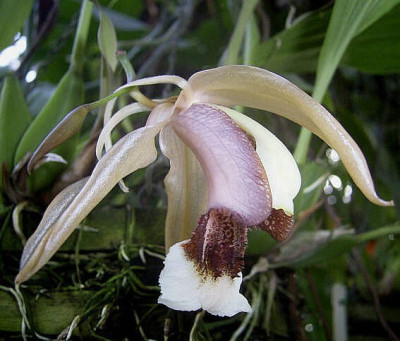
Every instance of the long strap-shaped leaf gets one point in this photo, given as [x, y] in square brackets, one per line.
[12, 16]
[258, 88]
[14, 119]
[349, 18]
[134, 151]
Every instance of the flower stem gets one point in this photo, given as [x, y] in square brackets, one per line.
[252, 38]
[303, 143]
[232, 51]
[81, 36]
[127, 66]
[198, 318]
[108, 98]
[135, 93]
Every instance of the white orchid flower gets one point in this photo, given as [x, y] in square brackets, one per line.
[227, 173]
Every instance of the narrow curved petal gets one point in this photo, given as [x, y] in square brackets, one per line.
[134, 151]
[282, 172]
[50, 217]
[184, 288]
[104, 140]
[109, 110]
[235, 176]
[110, 122]
[160, 114]
[186, 188]
[165, 79]
[258, 88]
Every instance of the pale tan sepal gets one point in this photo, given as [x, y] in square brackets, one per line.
[258, 88]
[135, 150]
[53, 212]
[186, 188]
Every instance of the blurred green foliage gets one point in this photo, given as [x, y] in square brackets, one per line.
[107, 271]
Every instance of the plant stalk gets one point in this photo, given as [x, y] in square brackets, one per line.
[82, 31]
[232, 51]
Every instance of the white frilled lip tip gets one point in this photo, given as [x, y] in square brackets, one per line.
[184, 288]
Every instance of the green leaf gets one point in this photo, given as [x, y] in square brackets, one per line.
[122, 21]
[309, 248]
[376, 10]
[14, 119]
[107, 40]
[51, 312]
[349, 18]
[377, 49]
[67, 96]
[295, 49]
[13, 14]
[232, 51]
[313, 178]
[81, 36]
[252, 39]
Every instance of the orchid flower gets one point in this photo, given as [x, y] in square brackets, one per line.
[227, 174]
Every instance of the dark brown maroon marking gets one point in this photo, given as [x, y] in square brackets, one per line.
[251, 138]
[279, 225]
[218, 243]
